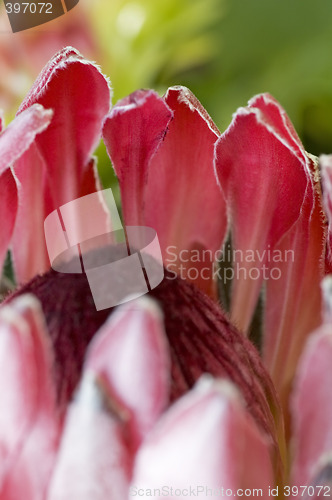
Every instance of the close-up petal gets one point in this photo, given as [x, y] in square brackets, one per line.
[325, 166]
[60, 160]
[93, 462]
[210, 438]
[133, 132]
[75, 131]
[29, 426]
[257, 167]
[293, 302]
[312, 408]
[134, 336]
[8, 208]
[14, 141]
[20, 134]
[160, 172]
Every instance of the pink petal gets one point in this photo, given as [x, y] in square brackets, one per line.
[79, 96]
[312, 408]
[90, 178]
[264, 176]
[179, 205]
[325, 163]
[93, 462]
[139, 378]
[21, 133]
[14, 141]
[184, 202]
[297, 294]
[170, 159]
[205, 440]
[133, 132]
[28, 242]
[8, 209]
[277, 118]
[28, 423]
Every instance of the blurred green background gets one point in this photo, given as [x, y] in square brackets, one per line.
[225, 51]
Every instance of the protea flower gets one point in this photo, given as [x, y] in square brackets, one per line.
[164, 397]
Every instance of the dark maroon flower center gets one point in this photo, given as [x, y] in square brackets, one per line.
[201, 338]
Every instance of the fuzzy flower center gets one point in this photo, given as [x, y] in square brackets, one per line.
[201, 338]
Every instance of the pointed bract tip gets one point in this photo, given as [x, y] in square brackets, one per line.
[186, 96]
[139, 305]
[13, 313]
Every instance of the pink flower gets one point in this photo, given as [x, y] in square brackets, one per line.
[272, 192]
[114, 404]
[116, 428]
[14, 141]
